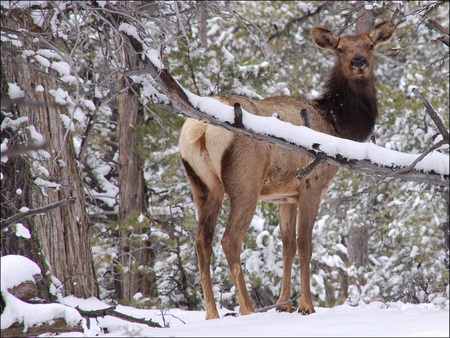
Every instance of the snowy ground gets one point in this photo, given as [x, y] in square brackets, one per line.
[374, 319]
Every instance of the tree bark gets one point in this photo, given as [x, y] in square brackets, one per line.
[202, 29]
[357, 246]
[58, 325]
[358, 235]
[61, 236]
[136, 257]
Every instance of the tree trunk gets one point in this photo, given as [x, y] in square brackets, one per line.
[61, 236]
[136, 257]
[357, 246]
[202, 28]
[358, 236]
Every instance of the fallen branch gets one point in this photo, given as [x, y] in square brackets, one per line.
[111, 311]
[270, 307]
[20, 216]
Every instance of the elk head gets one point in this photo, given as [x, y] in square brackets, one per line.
[354, 52]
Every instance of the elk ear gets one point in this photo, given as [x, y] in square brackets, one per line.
[382, 32]
[323, 38]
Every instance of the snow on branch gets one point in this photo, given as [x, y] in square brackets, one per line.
[431, 167]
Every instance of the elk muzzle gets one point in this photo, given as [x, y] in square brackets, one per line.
[358, 62]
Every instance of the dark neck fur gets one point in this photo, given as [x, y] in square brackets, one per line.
[350, 106]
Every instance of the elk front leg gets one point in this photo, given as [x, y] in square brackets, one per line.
[287, 217]
[306, 214]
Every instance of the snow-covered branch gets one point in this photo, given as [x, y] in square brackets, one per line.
[365, 158]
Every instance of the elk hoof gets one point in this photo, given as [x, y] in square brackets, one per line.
[305, 311]
[285, 308]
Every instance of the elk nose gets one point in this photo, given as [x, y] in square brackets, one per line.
[358, 62]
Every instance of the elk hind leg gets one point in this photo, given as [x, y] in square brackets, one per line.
[207, 201]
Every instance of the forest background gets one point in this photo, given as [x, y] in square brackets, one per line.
[118, 221]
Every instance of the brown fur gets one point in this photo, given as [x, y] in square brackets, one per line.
[218, 161]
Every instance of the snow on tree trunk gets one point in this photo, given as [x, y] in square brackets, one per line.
[62, 233]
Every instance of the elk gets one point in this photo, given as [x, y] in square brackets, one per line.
[218, 162]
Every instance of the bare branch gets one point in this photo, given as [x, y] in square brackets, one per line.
[420, 158]
[238, 116]
[20, 216]
[22, 149]
[302, 173]
[433, 114]
[305, 119]
[436, 26]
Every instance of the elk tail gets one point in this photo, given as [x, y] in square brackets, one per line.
[196, 134]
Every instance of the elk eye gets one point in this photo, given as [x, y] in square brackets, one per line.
[340, 50]
[371, 47]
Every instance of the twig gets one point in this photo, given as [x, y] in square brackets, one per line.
[270, 307]
[304, 172]
[304, 115]
[436, 26]
[433, 114]
[420, 158]
[22, 149]
[238, 116]
[20, 216]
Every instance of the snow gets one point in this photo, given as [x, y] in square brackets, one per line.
[13, 123]
[34, 314]
[375, 318]
[307, 137]
[34, 134]
[22, 231]
[14, 91]
[17, 269]
[228, 57]
[60, 96]
[43, 61]
[49, 53]
[398, 320]
[61, 67]
[394, 319]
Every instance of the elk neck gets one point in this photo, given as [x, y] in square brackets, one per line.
[349, 105]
